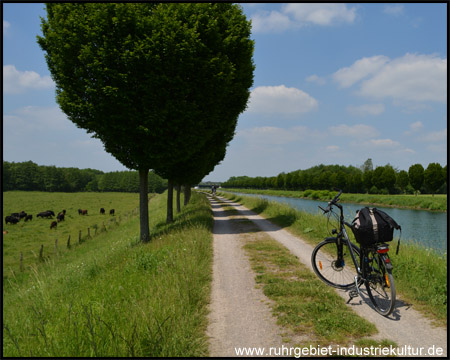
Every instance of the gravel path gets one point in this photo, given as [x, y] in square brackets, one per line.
[238, 317]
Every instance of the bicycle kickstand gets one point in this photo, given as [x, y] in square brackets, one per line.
[355, 292]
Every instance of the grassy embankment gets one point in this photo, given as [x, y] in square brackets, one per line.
[420, 274]
[109, 295]
[422, 202]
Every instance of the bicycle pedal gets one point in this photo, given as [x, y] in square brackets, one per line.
[352, 294]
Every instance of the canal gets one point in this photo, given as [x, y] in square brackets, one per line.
[427, 228]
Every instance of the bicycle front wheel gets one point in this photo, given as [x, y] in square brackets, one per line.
[332, 268]
[380, 286]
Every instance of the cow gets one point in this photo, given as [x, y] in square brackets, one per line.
[22, 214]
[16, 215]
[84, 212]
[80, 211]
[28, 217]
[51, 212]
[54, 224]
[11, 219]
[111, 212]
[47, 214]
[60, 217]
[102, 211]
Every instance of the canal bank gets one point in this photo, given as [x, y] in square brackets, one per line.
[425, 228]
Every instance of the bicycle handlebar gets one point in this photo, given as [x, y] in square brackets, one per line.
[332, 202]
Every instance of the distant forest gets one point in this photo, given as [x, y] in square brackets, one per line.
[32, 177]
[364, 179]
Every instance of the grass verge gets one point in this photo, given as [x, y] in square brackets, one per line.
[116, 297]
[313, 312]
[420, 274]
[422, 202]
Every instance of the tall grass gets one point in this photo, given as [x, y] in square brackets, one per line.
[115, 297]
[420, 274]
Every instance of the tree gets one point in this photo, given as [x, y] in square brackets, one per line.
[433, 177]
[367, 166]
[389, 178]
[367, 179]
[416, 173]
[150, 80]
[402, 180]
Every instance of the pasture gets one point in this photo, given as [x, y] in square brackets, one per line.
[113, 296]
[27, 237]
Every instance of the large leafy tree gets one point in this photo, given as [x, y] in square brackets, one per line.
[433, 177]
[151, 81]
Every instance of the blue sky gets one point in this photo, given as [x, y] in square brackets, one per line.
[334, 84]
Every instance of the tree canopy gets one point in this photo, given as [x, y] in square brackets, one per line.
[153, 81]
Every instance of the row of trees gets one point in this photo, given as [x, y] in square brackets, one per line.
[381, 180]
[160, 84]
[32, 177]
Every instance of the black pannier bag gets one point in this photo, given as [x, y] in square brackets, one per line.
[372, 226]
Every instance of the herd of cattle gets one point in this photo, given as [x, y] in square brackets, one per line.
[14, 218]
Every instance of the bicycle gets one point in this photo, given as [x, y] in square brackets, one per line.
[341, 264]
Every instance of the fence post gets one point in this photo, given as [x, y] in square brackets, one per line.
[41, 252]
[68, 242]
[21, 261]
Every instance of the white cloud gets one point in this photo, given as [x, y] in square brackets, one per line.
[316, 79]
[281, 100]
[17, 82]
[384, 143]
[359, 131]
[416, 126]
[274, 21]
[270, 135]
[360, 69]
[33, 118]
[296, 15]
[409, 78]
[6, 26]
[395, 10]
[435, 136]
[366, 109]
[320, 14]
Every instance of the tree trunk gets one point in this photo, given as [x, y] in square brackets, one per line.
[178, 198]
[187, 194]
[143, 205]
[169, 202]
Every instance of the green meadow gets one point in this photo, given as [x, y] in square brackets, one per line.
[109, 295]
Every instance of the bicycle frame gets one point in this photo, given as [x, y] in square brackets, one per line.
[344, 236]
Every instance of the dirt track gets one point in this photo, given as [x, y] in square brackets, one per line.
[241, 317]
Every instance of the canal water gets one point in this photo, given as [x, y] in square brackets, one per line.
[427, 228]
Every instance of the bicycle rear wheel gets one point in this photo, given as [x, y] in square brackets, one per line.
[330, 268]
[380, 285]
